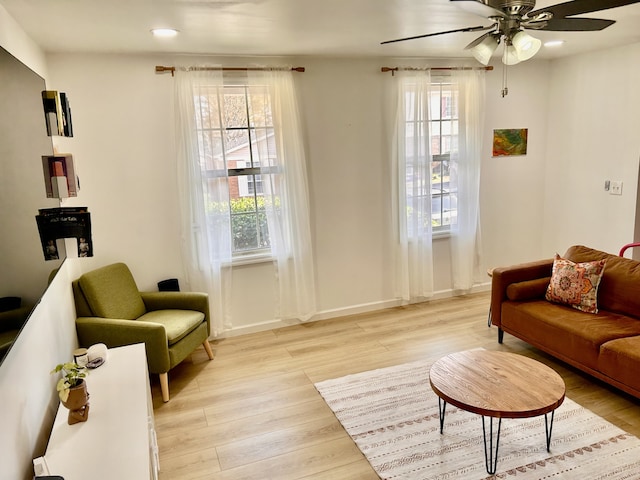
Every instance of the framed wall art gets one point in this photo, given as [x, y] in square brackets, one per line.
[510, 141]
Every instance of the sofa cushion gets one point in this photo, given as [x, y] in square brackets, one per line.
[576, 284]
[177, 323]
[618, 291]
[620, 358]
[564, 330]
[528, 290]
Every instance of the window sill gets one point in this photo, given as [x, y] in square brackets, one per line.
[441, 235]
[251, 259]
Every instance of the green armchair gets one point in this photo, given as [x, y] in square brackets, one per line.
[111, 310]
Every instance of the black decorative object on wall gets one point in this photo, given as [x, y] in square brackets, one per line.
[64, 222]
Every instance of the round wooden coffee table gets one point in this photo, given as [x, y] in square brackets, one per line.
[496, 385]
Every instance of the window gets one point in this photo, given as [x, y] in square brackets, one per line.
[444, 135]
[443, 132]
[236, 139]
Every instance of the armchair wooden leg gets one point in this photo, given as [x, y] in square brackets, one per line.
[207, 347]
[164, 386]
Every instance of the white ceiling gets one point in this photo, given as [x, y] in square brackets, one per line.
[283, 27]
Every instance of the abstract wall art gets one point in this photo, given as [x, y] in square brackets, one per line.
[510, 141]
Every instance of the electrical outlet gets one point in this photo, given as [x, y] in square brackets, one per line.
[616, 187]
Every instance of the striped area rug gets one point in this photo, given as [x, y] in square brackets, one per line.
[392, 415]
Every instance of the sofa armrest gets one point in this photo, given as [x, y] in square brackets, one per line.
[502, 277]
[114, 332]
[178, 301]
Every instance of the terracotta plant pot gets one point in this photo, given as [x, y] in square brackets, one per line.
[78, 403]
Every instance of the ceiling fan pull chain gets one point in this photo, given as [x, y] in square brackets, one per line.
[505, 89]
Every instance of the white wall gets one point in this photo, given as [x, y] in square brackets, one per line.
[27, 389]
[593, 137]
[14, 40]
[512, 188]
[341, 100]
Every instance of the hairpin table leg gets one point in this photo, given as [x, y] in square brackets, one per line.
[491, 457]
[442, 406]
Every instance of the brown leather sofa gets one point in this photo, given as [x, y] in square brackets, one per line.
[605, 345]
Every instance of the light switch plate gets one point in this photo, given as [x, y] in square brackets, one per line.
[616, 187]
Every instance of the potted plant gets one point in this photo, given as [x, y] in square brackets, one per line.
[72, 390]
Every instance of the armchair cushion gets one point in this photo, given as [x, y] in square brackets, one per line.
[112, 292]
[114, 332]
[177, 323]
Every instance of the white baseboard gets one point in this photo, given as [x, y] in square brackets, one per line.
[344, 311]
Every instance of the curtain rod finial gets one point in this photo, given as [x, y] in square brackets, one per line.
[162, 69]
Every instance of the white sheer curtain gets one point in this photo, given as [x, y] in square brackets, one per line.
[204, 202]
[465, 177]
[286, 192]
[412, 182]
[204, 198]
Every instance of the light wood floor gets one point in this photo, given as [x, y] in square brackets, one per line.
[253, 412]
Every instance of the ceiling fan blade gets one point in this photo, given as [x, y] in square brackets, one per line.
[578, 7]
[480, 7]
[576, 24]
[478, 40]
[467, 29]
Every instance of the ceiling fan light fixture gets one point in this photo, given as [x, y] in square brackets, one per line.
[525, 45]
[510, 55]
[483, 51]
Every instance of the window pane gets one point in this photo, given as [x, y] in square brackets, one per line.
[243, 204]
[434, 104]
[255, 186]
[263, 230]
[210, 147]
[263, 146]
[409, 106]
[236, 144]
[436, 210]
[436, 177]
[245, 231]
[446, 202]
[235, 107]
[207, 108]
[418, 217]
[260, 107]
[435, 137]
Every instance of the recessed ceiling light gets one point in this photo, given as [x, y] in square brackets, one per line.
[164, 32]
[553, 43]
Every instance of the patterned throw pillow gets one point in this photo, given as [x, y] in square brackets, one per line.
[575, 284]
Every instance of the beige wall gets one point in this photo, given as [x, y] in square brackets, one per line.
[593, 137]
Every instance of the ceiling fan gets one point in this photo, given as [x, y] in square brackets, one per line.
[511, 17]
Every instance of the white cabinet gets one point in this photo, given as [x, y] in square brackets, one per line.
[118, 441]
